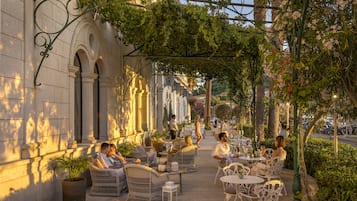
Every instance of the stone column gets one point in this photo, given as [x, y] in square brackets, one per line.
[132, 111]
[139, 111]
[72, 70]
[104, 84]
[145, 105]
[160, 109]
[87, 105]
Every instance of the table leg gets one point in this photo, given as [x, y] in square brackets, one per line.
[180, 182]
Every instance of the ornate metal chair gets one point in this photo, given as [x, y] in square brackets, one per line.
[234, 169]
[272, 170]
[269, 191]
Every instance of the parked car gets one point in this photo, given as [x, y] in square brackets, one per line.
[328, 129]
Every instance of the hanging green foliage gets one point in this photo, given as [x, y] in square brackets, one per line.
[182, 38]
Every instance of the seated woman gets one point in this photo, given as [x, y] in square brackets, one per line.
[115, 157]
[279, 152]
[188, 146]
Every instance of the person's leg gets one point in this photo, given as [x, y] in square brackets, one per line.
[199, 139]
[173, 134]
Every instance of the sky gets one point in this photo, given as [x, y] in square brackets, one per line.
[247, 11]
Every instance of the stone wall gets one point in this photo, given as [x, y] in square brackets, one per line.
[40, 122]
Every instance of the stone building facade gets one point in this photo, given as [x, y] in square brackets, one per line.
[85, 92]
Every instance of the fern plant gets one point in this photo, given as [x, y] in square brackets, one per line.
[73, 166]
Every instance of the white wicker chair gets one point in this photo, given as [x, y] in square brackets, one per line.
[185, 158]
[144, 183]
[106, 182]
[269, 191]
[234, 169]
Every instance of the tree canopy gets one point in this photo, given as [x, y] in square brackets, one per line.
[182, 38]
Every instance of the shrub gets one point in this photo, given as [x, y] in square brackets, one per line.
[126, 148]
[248, 130]
[336, 178]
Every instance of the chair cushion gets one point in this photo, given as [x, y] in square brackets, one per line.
[98, 163]
[230, 190]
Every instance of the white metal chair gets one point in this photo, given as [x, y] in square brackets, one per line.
[144, 183]
[269, 191]
[220, 167]
[234, 169]
[272, 170]
[268, 152]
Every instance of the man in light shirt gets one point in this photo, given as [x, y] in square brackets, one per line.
[173, 127]
[222, 150]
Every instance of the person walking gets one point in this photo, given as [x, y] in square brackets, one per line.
[173, 127]
[198, 133]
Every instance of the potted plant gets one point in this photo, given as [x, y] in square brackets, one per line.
[126, 148]
[73, 186]
[157, 139]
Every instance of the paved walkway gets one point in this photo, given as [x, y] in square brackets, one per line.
[198, 186]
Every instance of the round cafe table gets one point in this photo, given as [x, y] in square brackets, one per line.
[248, 179]
[234, 179]
[252, 159]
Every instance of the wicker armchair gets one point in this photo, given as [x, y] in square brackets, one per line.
[106, 182]
[144, 183]
[185, 157]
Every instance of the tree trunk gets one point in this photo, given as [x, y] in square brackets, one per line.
[259, 17]
[207, 115]
[312, 126]
[260, 113]
[273, 120]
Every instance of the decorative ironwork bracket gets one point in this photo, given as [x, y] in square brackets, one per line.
[45, 39]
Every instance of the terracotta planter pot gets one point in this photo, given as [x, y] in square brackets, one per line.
[74, 190]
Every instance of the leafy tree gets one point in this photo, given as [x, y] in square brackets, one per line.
[223, 111]
[321, 37]
[219, 86]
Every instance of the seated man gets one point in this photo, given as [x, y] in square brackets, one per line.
[105, 162]
[222, 150]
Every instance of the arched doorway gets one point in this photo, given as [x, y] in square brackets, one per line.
[96, 103]
[78, 118]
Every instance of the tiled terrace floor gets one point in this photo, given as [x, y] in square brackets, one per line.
[198, 186]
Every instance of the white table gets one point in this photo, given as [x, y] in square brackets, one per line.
[234, 179]
[252, 159]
